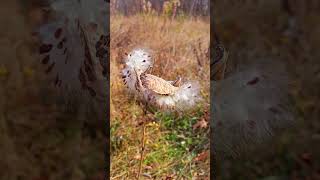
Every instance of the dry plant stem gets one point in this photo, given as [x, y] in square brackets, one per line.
[142, 149]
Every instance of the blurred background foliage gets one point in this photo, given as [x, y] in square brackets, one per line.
[41, 137]
[166, 7]
[285, 30]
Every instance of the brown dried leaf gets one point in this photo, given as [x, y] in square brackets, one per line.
[202, 156]
[200, 124]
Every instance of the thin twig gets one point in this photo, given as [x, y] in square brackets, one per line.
[142, 149]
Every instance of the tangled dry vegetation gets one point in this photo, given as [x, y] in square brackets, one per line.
[176, 147]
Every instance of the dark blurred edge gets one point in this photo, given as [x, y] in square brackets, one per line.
[107, 148]
[213, 41]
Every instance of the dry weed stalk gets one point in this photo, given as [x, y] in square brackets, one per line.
[142, 148]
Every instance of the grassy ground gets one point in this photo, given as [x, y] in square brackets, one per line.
[176, 146]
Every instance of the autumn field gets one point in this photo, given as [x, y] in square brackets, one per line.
[175, 146]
